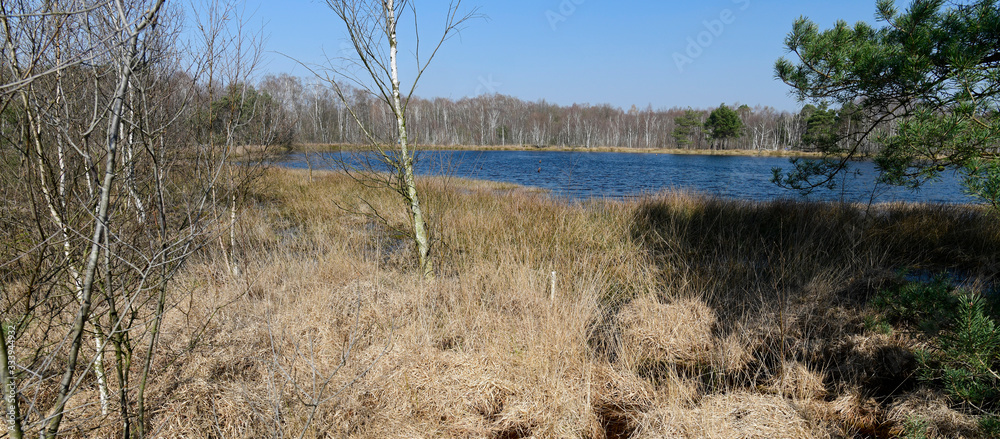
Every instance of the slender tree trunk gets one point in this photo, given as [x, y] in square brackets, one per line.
[234, 263]
[140, 422]
[102, 380]
[90, 269]
[409, 184]
[119, 339]
[161, 301]
[83, 315]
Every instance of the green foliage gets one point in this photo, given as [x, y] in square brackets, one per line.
[966, 340]
[11, 123]
[687, 126]
[877, 324]
[982, 180]
[989, 425]
[914, 427]
[821, 129]
[245, 116]
[724, 123]
[968, 353]
[927, 306]
[932, 71]
[503, 132]
[965, 362]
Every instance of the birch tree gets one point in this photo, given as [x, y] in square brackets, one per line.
[44, 43]
[372, 29]
[105, 196]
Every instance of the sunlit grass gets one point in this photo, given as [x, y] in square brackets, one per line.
[669, 315]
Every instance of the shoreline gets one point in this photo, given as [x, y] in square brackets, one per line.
[319, 147]
[506, 187]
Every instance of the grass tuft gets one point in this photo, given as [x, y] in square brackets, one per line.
[676, 315]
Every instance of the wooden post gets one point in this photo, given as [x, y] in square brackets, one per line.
[552, 287]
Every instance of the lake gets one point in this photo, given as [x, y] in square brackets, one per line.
[582, 175]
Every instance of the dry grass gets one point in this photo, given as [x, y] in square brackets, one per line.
[677, 333]
[677, 316]
[733, 415]
[933, 407]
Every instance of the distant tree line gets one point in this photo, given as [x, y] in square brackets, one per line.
[316, 115]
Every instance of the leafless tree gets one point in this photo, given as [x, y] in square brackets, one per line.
[237, 120]
[50, 139]
[496, 119]
[111, 193]
[372, 28]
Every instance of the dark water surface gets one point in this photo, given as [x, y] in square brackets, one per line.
[581, 175]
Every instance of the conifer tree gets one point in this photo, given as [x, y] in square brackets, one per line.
[931, 73]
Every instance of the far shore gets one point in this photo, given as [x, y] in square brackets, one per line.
[317, 147]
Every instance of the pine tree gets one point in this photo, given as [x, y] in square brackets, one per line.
[932, 72]
[724, 124]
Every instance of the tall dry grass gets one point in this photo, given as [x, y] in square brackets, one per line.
[673, 316]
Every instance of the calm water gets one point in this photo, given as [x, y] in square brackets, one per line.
[580, 175]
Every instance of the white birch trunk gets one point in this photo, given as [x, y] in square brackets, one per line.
[54, 419]
[235, 267]
[406, 156]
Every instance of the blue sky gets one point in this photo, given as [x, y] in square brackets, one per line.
[624, 52]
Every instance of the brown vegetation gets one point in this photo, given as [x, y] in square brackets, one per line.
[673, 316]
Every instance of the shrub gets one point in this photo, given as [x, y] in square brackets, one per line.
[930, 306]
[915, 427]
[965, 340]
[968, 353]
[990, 425]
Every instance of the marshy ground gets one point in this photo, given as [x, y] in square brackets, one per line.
[672, 316]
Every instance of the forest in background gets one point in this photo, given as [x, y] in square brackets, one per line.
[157, 280]
[314, 114]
